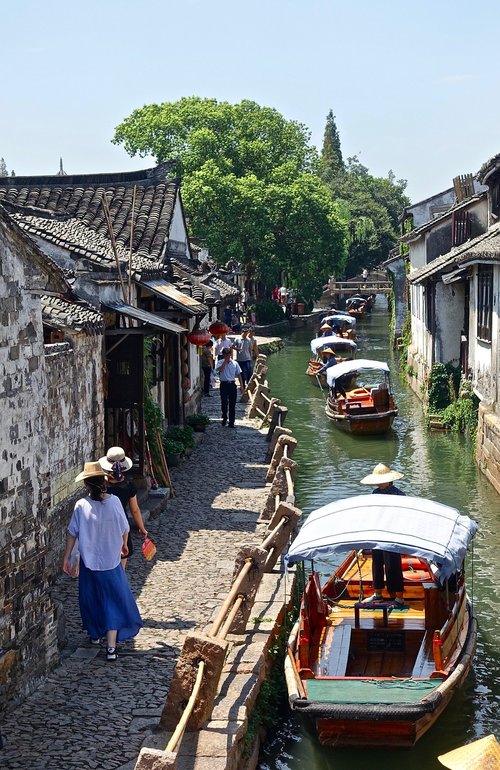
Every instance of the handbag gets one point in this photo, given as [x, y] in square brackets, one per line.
[148, 548]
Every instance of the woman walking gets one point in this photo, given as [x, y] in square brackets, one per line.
[107, 606]
[115, 465]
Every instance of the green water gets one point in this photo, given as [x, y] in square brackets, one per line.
[439, 466]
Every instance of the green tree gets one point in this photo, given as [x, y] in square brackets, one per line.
[250, 185]
[3, 168]
[331, 162]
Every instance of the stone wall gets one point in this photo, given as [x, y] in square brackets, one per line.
[418, 372]
[27, 641]
[488, 445]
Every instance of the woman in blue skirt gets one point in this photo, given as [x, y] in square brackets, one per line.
[107, 606]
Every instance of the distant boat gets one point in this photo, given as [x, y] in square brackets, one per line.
[358, 306]
[372, 674]
[343, 320]
[366, 410]
[345, 348]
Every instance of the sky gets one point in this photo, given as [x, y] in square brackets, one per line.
[413, 86]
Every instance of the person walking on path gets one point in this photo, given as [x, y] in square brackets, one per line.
[383, 477]
[222, 342]
[243, 347]
[107, 606]
[115, 465]
[254, 348]
[207, 365]
[228, 371]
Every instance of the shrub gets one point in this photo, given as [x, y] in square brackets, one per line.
[171, 446]
[268, 312]
[197, 419]
[183, 434]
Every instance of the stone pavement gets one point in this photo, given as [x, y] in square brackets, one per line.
[93, 714]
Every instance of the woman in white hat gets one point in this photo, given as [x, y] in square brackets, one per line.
[382, 477]
[107, 606]
[115, 465]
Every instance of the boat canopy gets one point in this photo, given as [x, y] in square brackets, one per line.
[407, 525]
[349, 367]
[332, 341]
[348, 319]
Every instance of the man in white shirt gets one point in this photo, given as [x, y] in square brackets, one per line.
[222, 342]
[228, 371]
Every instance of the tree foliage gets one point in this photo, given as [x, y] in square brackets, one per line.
[250, 185]
[371, 205]
[3, 168]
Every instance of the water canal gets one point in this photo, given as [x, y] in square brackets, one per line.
[439, 466]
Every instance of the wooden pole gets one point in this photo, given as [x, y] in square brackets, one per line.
[130, 249]
[179, 730]
[113, 243]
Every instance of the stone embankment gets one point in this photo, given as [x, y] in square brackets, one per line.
[94, 714]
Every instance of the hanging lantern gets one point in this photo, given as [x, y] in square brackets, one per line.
[199, 337]
[218, 328]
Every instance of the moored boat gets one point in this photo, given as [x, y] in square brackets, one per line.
[343, 348]
[343, 323]
[363, 410]
[371, 674]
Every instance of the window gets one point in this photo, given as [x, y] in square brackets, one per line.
[484, 302]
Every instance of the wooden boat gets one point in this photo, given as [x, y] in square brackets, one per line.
[370, 675]
[345, 321]
[357, 306]
[366, 410]
[339, 345]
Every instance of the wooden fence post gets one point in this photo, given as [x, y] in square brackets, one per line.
[287, 516]
[283, 441]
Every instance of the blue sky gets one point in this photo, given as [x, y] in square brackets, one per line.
[413, 86]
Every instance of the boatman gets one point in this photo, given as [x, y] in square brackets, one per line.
[328, 356]
[382, 478]
[228, 371]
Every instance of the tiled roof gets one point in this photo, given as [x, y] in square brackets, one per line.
[488, 167]
[485, 247]
[68, 211]
[79, 316]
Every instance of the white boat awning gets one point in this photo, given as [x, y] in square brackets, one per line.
[337, 319]
[409, 525]
[332, 341]
[349, 367]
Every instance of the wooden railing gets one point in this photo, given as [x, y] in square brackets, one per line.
[200, 664]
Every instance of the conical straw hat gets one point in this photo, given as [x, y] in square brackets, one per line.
[483, 754]
[382, 474]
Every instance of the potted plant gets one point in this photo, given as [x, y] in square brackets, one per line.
[173, 450]
[198, 422]
[183, 434]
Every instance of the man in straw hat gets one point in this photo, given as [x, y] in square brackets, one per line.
[328, 356]
[325, 330]
[382, 477]
[483, 754]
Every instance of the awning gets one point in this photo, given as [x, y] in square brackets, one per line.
[143, 315]
[339, 319]
[408, 525]
[349, 367]
[332, 341]
[178, 299]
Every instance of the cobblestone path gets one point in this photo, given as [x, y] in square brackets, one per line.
[93, 714]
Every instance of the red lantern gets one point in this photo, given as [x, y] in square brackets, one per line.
[218, 328]
[199, 337]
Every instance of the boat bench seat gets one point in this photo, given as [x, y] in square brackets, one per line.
[335, 655]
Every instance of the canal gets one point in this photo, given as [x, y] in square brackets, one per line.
[436, 465]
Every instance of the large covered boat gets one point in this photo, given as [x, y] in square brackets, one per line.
[344, 323]
[369, 674]
[364, 410]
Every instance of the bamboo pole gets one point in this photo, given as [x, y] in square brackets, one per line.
[234, 609]
[113, 243]
[164, 463]
[181, 726]
[130, 249]
[230, 597]
[269, 539]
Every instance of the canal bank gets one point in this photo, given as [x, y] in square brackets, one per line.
[93, 714]
[438, 466]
